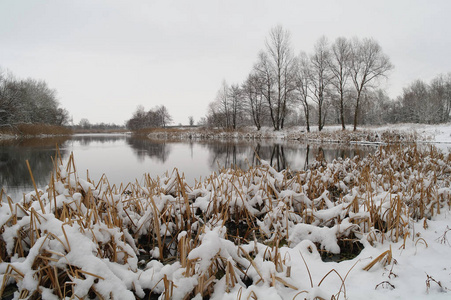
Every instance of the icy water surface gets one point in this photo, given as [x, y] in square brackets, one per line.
[124, 158]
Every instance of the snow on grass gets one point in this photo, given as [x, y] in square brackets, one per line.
[366, 134]
[368, 228]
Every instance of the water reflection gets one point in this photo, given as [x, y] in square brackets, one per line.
[281, 155]
[87, 139]
[14, 153]
[143, 147]
[124, 158]
[227, 153]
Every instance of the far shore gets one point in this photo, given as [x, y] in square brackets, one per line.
[392, 133]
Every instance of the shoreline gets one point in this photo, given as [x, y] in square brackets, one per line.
[369, 135]
[391, 134]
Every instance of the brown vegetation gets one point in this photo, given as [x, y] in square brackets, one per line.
[35, 129]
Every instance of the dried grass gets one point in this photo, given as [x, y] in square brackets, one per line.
[35, 129]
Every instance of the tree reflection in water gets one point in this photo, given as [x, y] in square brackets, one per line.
[87, 139]
[123, 157]
[39, 152]
[142, 147]
[280, 156]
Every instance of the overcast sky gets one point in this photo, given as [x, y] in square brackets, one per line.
[105, 57]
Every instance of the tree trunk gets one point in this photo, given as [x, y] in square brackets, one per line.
[320, 123]
[343, 127]
[356, 113]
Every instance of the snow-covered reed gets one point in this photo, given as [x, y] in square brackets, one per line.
[239, 234]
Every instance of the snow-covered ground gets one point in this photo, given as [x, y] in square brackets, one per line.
[423, 133]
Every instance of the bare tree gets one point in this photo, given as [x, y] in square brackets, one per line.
[276, 66]
[253, 95]
[223, 104]
[368, 64]
[236, 104]
[339, 63]
[84, 123]
[215, 116]
[164, 116]
[156, 117]
[303, 80]
[321, 76]
[262, 71]
[191, 120]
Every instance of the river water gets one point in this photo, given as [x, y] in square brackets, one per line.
[124, 158]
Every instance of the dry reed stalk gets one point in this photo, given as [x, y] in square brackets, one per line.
[167, 288]
[78, 271]
[282, 281]
[252, 295]
[206, 284]
[183, 250]
[24, 294]
[386, 254]
[35, 187]
[342, 282]
[156, 221]
[230, 276]
[11, 205]
[273, 280]
[18, 248]
[308, 269]
[8, 273]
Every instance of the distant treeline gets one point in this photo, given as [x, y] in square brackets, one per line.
[338, 83]
[29, 101]
[156, 117]
[85, 125]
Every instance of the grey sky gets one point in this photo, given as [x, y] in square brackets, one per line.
[105, 57]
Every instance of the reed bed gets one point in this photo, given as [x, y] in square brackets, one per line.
[24, 129]
[233, 232]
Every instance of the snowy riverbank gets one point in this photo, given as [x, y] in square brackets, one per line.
[394, 133]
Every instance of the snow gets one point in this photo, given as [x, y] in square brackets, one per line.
[399, 207]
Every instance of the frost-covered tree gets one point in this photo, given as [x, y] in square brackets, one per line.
[427, 103]
[440, 98]
[29, 101]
